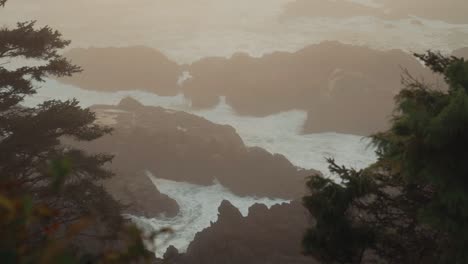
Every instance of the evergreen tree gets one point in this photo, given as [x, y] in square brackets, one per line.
[52, 206]
[412, 205]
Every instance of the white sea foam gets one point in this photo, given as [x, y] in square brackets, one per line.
[188, 36]
[277, 133]
[198, 208]
[280, 133]
[53, 89]
[188, 30]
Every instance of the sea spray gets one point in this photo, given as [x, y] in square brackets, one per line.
[198, 208]
[277, 133]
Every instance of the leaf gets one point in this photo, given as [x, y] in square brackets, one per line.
[59, 170]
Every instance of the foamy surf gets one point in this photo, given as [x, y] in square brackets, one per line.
[198, 208]
[278, 133]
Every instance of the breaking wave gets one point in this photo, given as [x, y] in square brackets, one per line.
[198, 208]
[278, 133]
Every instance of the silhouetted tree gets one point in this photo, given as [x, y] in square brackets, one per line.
[412, 205]
[51, 203]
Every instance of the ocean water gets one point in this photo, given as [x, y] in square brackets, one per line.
[279, 133]
[198, 208]
[187, 30]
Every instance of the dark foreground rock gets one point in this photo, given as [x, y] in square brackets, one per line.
[265, 236]
[183, 147]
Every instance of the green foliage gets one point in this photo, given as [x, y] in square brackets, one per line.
[26, 42]
[53, 208]
[34, 232]
[333, 234]
[413, 205]
[429, 139]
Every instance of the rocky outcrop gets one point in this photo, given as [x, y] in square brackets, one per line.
[352, 104]
[265, 236]
[139, 195]
[344, 88]
[183, 147]
[130, 185]
[338, 85]
[129, 68]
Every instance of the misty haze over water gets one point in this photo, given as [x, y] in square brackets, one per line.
[196, 36]
[188, 30]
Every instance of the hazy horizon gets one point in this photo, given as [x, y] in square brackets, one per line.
[187, 30]
[223, 112]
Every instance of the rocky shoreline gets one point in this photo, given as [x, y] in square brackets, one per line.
[182, 147]
[330, 81]
[265, 236]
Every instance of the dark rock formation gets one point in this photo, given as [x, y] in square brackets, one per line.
[227, 213]
[131, 185]
[333, 82]
[183, 147]
[265, 236]
[353, 104]
[130, 68]
[171, 254]
[344, 88]
[139, 195]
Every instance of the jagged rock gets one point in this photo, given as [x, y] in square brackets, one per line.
[227, 212]
[139, 195]
[258, 210]
[313, 79]
[270, 236]
[171, 253]
[179, 146]
[331, 81]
